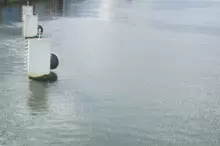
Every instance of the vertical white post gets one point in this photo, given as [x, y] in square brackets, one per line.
[38, 57]
[30, 25]
[26, 10]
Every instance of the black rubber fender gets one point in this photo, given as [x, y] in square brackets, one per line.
[40, 30]
[54, 61]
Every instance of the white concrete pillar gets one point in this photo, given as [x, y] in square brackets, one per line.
[38, 57]
[27, 10]
[30, 26]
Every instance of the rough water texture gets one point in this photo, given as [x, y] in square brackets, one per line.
[131, 73]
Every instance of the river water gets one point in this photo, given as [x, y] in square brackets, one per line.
[132, 72]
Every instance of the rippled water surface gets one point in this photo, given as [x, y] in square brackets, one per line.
[132, 72]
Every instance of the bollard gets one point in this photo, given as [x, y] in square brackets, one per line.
[30, 25]
[26, 10]
[38, 58]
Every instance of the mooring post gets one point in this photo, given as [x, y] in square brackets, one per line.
[38, 57]
[30, 26]
[26, 10]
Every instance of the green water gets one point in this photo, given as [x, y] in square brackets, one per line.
[131, 73]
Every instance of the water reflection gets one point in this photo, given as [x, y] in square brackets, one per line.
[52, 9]
[38, 99]
[84, 8]
[10, 14]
